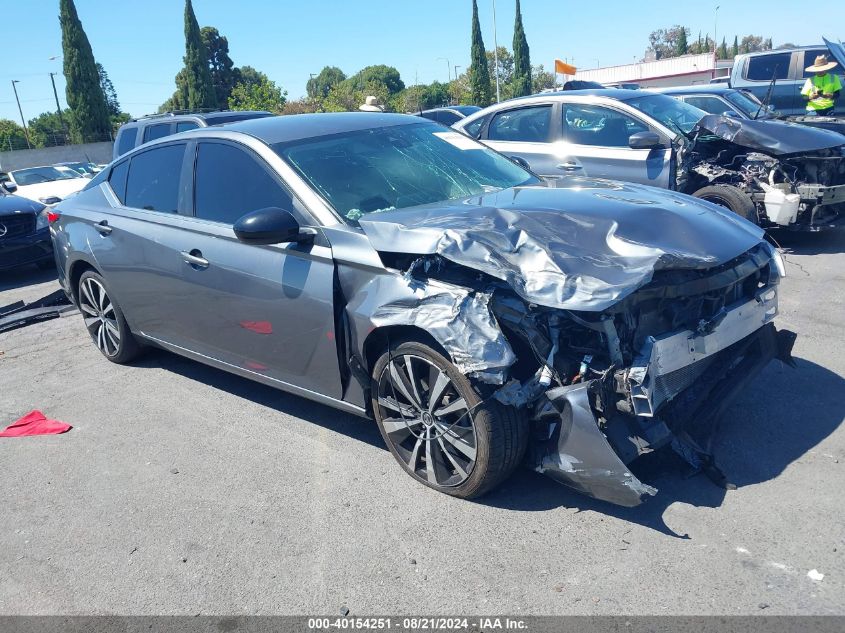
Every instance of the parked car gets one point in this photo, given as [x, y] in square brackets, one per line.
[388, 267]
[46, 184]
[148, 128]
[754, 72]
[449, 115]
[743, 105]
[772, 173]
[82, 167]
[24, 232]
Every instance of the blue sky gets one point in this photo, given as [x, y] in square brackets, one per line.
[141, 44]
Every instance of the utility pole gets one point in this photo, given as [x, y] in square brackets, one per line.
[715, 27]
[496, 53]
[23, 121]
[58, 107]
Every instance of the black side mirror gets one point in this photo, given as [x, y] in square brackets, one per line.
[645, 140]
[9, 186]
[271, 226]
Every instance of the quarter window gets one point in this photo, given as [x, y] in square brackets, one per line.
[595, 125]
[529, 125]
[765, 67]
[126, 139]
[474, 129]
[154, 175]
[183, 126]
[117, 180]
[156, 131]
[231, 183]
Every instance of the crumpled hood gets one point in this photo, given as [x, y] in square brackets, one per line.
[776, 138]
[583, 245]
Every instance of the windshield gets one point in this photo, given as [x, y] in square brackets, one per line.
[748, 104]
[676, 115]
[37, 175]
[381, 169]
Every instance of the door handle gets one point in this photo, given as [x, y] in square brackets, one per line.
[195, 258]
[569, 166]
[103, 227]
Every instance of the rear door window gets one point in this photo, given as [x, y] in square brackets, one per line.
[153, 181]
[764, 67]
[159, 130]
[126, 139]
[810, 58]
[527, 125]
[230, 183]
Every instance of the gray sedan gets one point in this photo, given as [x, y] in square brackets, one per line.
[389, 267]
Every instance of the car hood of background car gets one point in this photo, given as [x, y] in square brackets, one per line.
[58, 188]
[776, 138]
[15, 204]
[581, 245]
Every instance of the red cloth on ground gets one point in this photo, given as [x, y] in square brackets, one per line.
[34, 423]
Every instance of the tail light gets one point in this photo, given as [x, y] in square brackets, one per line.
[53, 216]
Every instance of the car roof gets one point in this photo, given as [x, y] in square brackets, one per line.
[295, 127]
[620, 94]
[773, 51]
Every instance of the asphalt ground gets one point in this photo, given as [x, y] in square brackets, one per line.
[182, 489]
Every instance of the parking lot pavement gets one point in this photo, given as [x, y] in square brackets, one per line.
[182, 489]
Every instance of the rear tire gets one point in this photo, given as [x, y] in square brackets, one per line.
[732, 198]
[437, 426]
[104, 320]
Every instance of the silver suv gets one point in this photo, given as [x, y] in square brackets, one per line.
[148, 128]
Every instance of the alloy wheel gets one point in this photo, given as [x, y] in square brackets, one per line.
[427, 421]
[100, 318]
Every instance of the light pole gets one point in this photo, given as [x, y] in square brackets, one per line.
[58, 107]
[448, 67]
[715, 26]
[23, 121]
[496, 52]
[597, 62]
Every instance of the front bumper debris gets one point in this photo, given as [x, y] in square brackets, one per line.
[603, 452]
[20, 314]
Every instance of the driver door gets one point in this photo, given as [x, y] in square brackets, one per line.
[595, 144]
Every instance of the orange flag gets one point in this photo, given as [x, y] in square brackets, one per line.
[562, 68]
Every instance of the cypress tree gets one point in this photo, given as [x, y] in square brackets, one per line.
[735, 47]
[723, 50]
[521, 58]
[681, 46]
[90, 120]
[197, 73]
[479, 72]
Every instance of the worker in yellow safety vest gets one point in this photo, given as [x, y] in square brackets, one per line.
[822, 88]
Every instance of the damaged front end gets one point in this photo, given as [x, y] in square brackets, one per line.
[793, 174]
[656, 370]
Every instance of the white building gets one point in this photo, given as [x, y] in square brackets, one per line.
[675, 71]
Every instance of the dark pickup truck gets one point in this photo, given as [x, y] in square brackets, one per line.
[754, 72]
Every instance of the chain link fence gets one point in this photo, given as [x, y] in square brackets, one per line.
[40, 138]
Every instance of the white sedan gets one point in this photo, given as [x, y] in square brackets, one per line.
[47, 185]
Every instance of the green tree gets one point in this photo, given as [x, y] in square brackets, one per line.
[108, 91]
[479, 73]
[319, 86]
[541, 79]
[722, 53]
[387, 76]
[521, 84]
[347, 96]
[667, 42]
[84, 94]
[681, 47]
[265, 95]
[224, 75]
[735, 47]
[200, 90]
[11, 136]
[46, 130]
[505, 70]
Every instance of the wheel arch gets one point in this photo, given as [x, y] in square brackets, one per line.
[377, 342]
[75, 272]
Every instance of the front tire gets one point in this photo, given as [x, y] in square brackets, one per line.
[438, 427]
[734, 199]
[104, 320]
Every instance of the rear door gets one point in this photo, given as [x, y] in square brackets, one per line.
[594, 143]
[525, 135]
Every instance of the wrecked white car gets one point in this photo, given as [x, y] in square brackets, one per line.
[389, 267]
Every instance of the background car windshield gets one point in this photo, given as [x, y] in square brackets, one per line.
[674, 114]
[402, 166]
[37, 175]
[747, 104]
